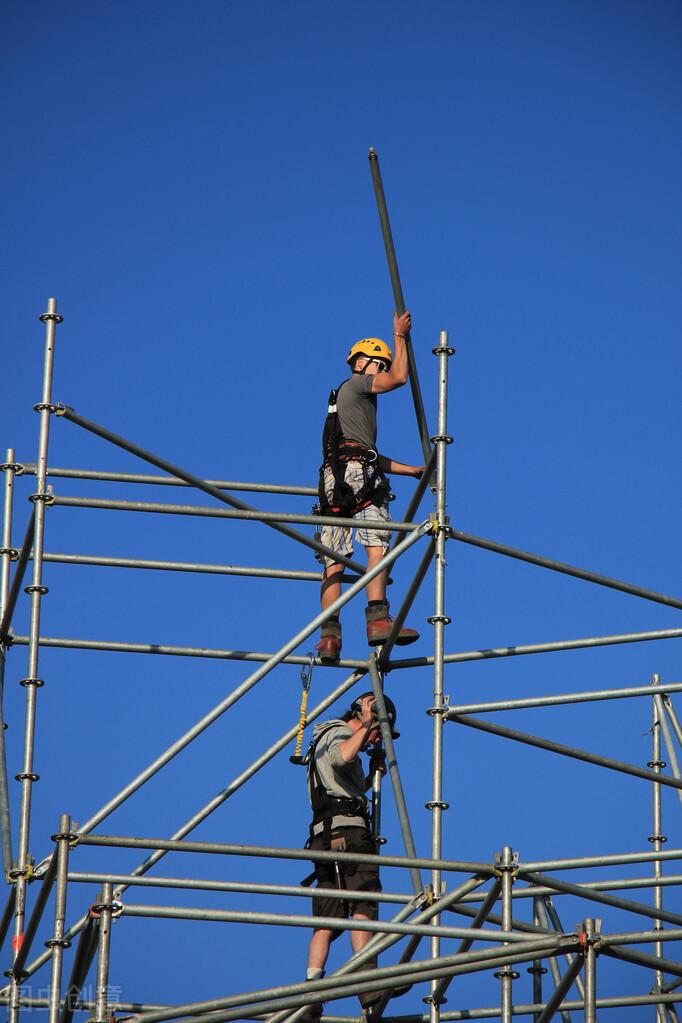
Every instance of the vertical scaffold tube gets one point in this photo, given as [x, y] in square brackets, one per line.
[439, 620]
[7, 553]
[102, 992]
[591, 929]
[537, 970]
[657, 838]
[58, 943]
[506, 867]
[32, 682]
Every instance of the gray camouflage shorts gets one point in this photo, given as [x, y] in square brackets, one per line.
[339, 538]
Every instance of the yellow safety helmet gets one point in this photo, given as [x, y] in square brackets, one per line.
[371, 348]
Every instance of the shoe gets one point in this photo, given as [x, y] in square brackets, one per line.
[329, 647]
[313, 1013]
[379, 625]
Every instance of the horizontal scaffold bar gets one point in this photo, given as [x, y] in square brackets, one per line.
[326, 922]
[558, 699]
[169, 481]
[238, 887]
[247, 515]
[560, 566]
[540, 648]
[178, 651]
[605, 860]
[280, 852]
[187, 566]
[525, 1009]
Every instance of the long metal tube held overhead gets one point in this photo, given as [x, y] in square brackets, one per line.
[399, 300]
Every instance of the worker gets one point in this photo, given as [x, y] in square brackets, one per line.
[336, 789]
[353, 484]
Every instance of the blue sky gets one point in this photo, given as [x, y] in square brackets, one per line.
[191, 182]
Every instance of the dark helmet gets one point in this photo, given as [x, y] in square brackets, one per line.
[356, 710]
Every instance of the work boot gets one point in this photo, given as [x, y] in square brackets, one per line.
[329, 647]
[380, 623]
[313, 1013]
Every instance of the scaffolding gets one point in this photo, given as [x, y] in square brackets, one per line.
[488, 941]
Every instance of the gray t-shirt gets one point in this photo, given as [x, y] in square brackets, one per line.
[357, 409]
[338, 778]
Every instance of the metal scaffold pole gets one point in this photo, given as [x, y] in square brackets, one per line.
[439, 620]
[657, 838]
[32, 682]
[7, 555]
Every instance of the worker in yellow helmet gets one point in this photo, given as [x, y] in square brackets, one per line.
[352, 480]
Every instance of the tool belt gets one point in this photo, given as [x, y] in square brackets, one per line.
[345, 501]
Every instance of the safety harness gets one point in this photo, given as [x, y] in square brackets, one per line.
[325, 806]
[337, 451]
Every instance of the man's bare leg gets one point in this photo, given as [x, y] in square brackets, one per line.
[359, 939]
[318, 950]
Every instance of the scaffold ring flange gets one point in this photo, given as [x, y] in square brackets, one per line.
[58, 943]
[34, 588]
[44, 406]
[12, 551]
[27, 776]
[439, 619]
[37, 682]
[46, 498]
[15, 467]
[46, 317]
[439, 804]
[443, 350]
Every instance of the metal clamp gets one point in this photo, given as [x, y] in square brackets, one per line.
[443, 350]
[438, 526]
[26, 872]
[443, 438]
[44, 406]
[589, 938]
[657, 763]
[42, 590]
[507, 868]
[12, 551]
[439, 619]
[27, 776]
[46, 317]
[507, 972]
[657, 838]
[16, 467]
[58, 943]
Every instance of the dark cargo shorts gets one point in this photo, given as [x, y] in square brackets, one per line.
[355, 877]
